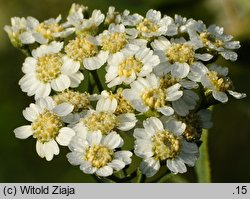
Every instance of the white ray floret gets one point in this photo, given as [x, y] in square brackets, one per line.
[163, 142]
[49, 69]
[97, 154]
[46, 126]
[147, 94]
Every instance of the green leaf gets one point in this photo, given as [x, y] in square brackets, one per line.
[202, 167]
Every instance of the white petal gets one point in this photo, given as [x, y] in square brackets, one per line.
[63, 109]
[180, 70]
[65, 135]
[69, 66]
[31, 112]
[75, 158]
[236, 94]
[87, 168]
[220, 96]
[106, 105]
[104, 171]
[176, 166]
[94, 138]
[126, 121]
[166, 110]
[47, 149]
[46, 102]
[150, 167]
[23, 132]
[152, 125]
[61, 83]
[112, 140]
[143, 148]
[117, 164]
[27, 38]
[175, 126]
[125, 156]
[75, 79]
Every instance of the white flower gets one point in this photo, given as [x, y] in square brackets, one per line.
[147, 94]
[84, 50]
[214, 38]
[47, 69]
[153, 25]
[216, 81]
[97, 154]
[46, 126]
[118, 38]
[80, 101]
[163, 142]
[18, 26]
[104, 120]
[45, 31]
[92, 23]
[126, 66]
[178, 56]
[195, 122]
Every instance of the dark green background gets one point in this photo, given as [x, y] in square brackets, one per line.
[229, 139]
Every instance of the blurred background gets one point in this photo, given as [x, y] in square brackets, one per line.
[229, 139]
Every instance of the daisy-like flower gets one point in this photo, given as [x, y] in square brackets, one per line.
[44, 32]
[104, 119]
[217, 82]
[112, 16]
[123, 105]
[126, 66]
[117, 38]
[152, 25]
[48, 68]
[162, 143]
[80, 101]
[188, 100]
[146, 94]
[178, 56]
[84, 50]
[89, 26]
[215, 39]
[195, 122]
[46, 126]
[97, 154]
[18, 26]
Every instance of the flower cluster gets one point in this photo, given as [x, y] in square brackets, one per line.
[96, 78]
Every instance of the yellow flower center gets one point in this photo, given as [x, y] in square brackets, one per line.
[182, 53]
[114, 42]
[79, 100]
[99, 156]
[103, 121]
[167, 81]
[165, 145]
[207, 39]
[47, 30]
[220, 83]
[80, 48]
[46, 127]
[129, 66]
[193, 127]
[147, 26]
[154, 98]
[123, 106]
[48, 67]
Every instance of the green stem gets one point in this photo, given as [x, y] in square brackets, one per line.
[97, 80]
[202, 167]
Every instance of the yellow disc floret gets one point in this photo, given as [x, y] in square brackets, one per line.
[123, 105]
[147, 26]
[48, 67]
[103, 121]
[165, 145]
[80, 48]
[129, 66]
[46, 127]
[182, 53]
[99, 156]
[114, 42]
[154, 98]
[220, 83]
[79, 100]
[47, 30]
